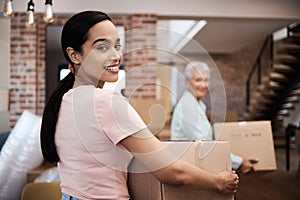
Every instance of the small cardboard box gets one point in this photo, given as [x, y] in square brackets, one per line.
[155, 113]
[252, 139]
[212, 156]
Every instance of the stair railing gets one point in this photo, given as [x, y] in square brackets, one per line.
[257, 66]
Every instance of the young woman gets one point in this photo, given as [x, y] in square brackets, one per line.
[93, 132]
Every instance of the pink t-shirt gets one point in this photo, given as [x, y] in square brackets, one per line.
[92, 122]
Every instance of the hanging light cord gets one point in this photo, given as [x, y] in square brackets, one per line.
[49, 2]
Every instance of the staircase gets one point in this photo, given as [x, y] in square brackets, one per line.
[278, 91]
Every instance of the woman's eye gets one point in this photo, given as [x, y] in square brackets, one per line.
[102, 47]
[118, 46]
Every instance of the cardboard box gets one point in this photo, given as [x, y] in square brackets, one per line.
[252, 139]
[212, 156]
[156, 115]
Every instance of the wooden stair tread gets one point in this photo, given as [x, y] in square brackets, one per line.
[278, 77]
[292, 99]
[292, 50]
[275, 85]
[283, 112]
[292, 39]
[297, 86]
[264, 102]
[288, 106]
[286, 59]
[295, 92]
[281, 68]
[295, 27]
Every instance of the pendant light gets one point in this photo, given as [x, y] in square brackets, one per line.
[48, 14]
[30, 14]
[8, 8]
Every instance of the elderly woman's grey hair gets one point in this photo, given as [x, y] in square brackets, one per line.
[196, 65]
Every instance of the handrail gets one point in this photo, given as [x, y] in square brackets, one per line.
[256, 65]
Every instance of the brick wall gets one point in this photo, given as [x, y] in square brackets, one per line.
[23, 78]
[27, 79]
[140, 56]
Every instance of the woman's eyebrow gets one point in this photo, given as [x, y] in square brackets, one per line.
[101, 40]
[104, 40]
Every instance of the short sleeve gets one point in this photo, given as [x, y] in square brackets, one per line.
[116, 116]
[236, 161]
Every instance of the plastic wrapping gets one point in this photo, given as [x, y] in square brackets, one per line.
[20, 154]
[50, 175]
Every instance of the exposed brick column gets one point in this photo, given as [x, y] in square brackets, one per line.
[40, 64]
[140, 55]
[23, 73]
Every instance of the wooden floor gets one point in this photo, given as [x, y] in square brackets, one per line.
[276, 185]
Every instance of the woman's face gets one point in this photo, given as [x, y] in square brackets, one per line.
[101, 55]
[199, 84]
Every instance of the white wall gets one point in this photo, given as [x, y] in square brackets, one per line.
[4, 67]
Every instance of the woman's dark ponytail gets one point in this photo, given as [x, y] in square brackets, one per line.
[74, 34]
[50, 117]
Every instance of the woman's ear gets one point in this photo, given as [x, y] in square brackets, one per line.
[73, 55]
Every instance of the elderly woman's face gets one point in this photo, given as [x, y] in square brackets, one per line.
[199, 84]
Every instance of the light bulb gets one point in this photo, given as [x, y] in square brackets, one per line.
[30, 19]
[48, 14]
[30, 14]
[8, 9]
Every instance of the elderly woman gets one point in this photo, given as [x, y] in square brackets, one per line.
[189, 120]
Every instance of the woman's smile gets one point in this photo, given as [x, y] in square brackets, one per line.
[112, 68]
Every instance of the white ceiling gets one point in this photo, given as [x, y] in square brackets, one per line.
[229, 35]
